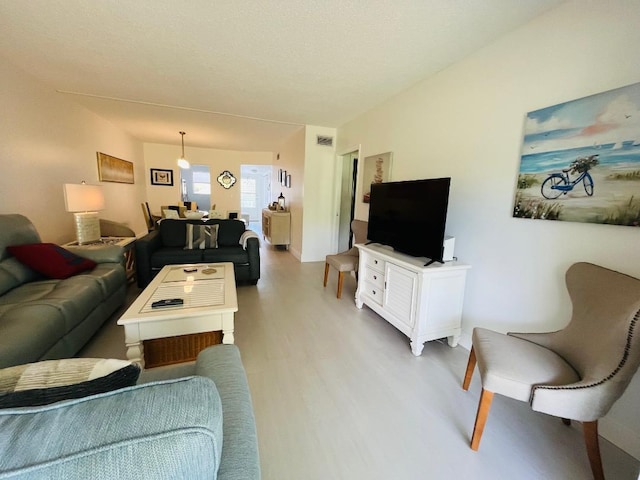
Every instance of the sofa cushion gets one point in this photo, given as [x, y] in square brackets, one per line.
[51, 381]
[170, 429]
[230, 232]
[28, 331]
[175, 256]
[201, 237]
[236, 254]
[13, 273]
[50, 260]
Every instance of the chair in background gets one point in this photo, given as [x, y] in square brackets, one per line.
[179, 209]
[346, 261]
[576, 373]
[150, 219]
[213, 213]
[189, 205]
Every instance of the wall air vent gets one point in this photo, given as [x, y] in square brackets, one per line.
[325, 141]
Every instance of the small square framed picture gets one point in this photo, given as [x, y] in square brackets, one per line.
[160, 176]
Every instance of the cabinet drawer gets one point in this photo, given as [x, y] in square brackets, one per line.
[374, 292]
[375, 263]
[375, 278]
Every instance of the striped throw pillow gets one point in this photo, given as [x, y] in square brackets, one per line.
[51, 381]
[201, 236]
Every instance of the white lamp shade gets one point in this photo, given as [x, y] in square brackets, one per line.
[83, 197]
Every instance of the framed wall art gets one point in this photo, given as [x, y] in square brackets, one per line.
[112, 169]
[226, 179]
[160, 176]
[377, 169]
[580, 160]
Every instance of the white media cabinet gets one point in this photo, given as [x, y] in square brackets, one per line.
[423, 302]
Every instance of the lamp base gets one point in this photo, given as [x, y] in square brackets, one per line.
[87, 227]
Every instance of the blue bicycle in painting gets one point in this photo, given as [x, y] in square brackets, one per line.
[557, 184]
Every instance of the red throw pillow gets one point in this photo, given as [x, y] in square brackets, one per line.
[51, 260]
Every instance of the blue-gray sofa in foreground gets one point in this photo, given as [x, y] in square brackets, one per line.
[192, 427]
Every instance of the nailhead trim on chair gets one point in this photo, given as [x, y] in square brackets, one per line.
[623, 361]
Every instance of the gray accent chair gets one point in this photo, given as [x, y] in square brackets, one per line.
[346, 261]
[576, 373]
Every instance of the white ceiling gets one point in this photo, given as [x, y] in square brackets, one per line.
[243, 74]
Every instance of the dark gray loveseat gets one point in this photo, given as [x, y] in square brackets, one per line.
[166, 246]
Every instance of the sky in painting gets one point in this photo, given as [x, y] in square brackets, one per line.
[610, 117]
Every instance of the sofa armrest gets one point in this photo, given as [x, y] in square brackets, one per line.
[253, 251]
[145, 246]
[240, 459]
[99, 253]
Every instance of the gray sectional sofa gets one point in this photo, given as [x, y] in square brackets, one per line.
[167, 246]
[43, 318]
[169, 426]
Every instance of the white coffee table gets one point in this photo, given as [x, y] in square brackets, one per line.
[210, 301]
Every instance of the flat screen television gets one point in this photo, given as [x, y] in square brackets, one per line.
[410, 216]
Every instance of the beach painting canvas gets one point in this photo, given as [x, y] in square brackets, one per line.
[580, 160]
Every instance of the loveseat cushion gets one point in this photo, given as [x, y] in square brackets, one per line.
[42, 383]
[174, 256]
[161, 430]
[174, 232]
[230, 232]
[236, 254]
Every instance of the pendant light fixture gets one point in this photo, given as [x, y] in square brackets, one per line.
[183, 162]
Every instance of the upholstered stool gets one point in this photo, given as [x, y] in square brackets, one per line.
[343, 262]
[346, 261]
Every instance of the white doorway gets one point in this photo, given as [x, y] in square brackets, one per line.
[346, 210]
[255, 192]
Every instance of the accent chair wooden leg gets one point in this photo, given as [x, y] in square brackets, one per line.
[340, 280]
[593, 448]
[481, 418]
[471, 364]
[326, 273]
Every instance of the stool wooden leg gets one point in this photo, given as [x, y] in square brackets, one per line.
[340, 280]
[471, 364]
[481, 418]
[593, 449]
[326, 273]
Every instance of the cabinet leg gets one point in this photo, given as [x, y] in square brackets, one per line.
[416, 348]
[453, 340]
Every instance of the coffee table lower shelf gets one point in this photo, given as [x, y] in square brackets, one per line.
[182, 348]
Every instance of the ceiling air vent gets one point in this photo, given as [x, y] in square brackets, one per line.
[325, 141]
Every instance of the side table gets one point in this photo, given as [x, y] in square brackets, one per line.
[127, 244]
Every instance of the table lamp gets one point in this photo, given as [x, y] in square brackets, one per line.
[84, 201]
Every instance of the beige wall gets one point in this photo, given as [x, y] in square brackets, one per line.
[164, 157]
[319, 187]
[292, 160]
[47, 140]
[467, 123]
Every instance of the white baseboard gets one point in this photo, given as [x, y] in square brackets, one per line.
[621, 436]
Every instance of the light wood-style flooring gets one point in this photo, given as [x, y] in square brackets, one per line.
[338, 395]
